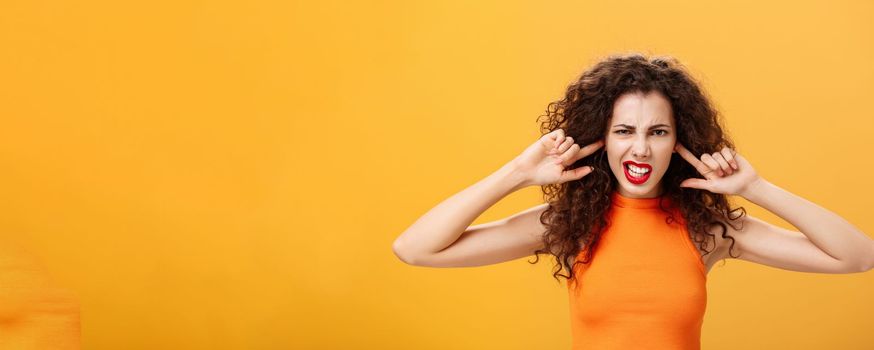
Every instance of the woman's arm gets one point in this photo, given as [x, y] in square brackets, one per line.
[442, 238]
[827, 243]
[828, 231]
[442, 225]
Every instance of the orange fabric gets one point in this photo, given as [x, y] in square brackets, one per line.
[645, 287]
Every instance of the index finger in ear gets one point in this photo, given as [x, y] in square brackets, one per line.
[592, 147]
[587, 150]
[689, 157]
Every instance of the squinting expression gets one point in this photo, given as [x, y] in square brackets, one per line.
[641, 132]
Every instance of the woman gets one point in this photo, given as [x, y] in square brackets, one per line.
[626, 214]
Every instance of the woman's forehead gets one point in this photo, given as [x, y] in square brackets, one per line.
[641, 121]
[642, 110]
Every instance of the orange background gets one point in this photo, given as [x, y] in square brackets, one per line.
[231, 175]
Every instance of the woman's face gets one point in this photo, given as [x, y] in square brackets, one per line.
[641, 132]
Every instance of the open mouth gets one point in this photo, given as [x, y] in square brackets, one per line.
[636, 173]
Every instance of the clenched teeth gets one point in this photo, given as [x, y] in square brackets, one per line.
[637, 170]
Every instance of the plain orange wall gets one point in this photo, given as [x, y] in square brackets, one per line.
[231, 175]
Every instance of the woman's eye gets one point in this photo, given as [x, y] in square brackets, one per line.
[658, 132]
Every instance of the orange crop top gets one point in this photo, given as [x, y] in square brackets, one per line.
[645, 286]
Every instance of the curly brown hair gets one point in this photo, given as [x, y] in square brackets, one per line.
[577, 212]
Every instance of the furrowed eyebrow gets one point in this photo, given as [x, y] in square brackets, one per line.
[632, 127]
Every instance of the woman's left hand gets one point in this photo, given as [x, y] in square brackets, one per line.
[725, 172]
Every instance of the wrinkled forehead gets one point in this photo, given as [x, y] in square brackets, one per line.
[641, 121]
[642, 110]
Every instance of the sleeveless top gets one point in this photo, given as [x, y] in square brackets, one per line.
[645, 286]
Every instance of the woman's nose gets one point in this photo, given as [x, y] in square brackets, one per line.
[640, 148]
[639, 154]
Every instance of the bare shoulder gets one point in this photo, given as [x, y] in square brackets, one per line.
[761, 242]
[734, 231]
[722, 243]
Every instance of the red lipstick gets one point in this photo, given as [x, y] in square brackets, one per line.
[632, 178]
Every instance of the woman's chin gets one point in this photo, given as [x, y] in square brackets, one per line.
[640, 191]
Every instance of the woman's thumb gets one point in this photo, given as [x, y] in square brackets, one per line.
[578, 173]
[694, 183]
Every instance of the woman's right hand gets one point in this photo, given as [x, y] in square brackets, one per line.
[545, 160]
